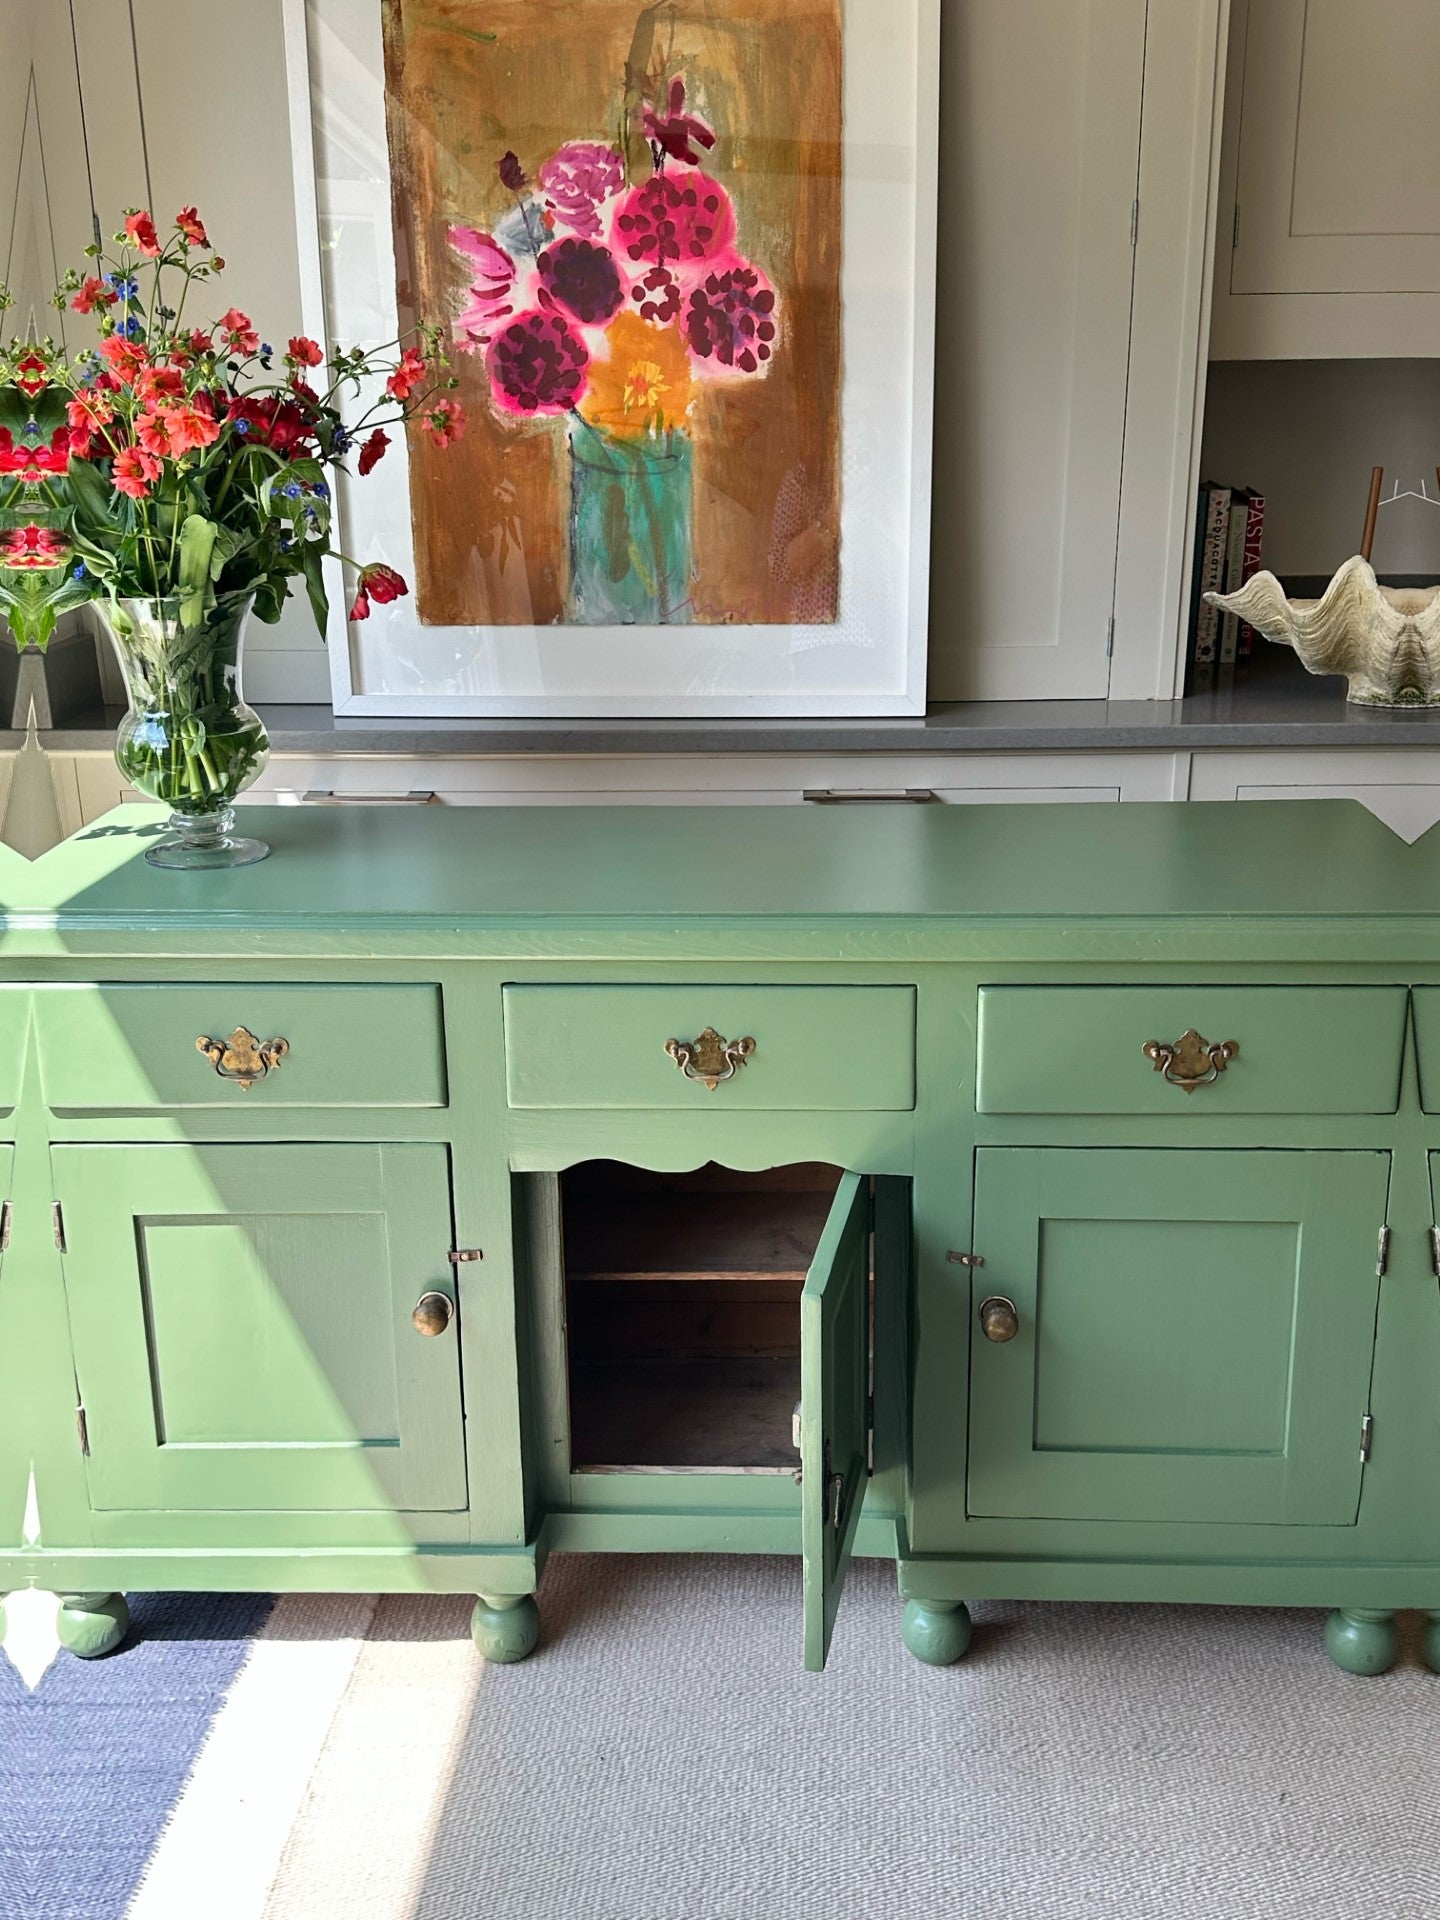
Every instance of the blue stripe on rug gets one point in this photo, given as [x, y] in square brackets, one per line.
[93, 1761]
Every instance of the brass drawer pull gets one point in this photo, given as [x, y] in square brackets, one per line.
[1190, 1061]
[709, 1057]
[242, 1058]
[999, 1319]
[432, 1314]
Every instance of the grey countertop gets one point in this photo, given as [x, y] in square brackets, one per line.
[1275, 704]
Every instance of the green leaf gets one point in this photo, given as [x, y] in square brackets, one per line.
[310, 566]
[197, 543]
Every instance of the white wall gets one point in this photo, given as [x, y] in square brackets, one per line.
[1307, 432]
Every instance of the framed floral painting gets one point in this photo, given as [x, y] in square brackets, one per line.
[683, 255]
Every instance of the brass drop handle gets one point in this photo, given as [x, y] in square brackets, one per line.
[1191, 1061]
[710, 1057]
[242, 1058]
[432, 1314]
[999, 1320]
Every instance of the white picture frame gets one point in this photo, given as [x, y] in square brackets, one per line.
[871, 661]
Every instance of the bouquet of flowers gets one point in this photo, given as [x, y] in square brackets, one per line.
[175, 474]
[602, 298]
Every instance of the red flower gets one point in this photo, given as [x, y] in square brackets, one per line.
[89, 413]
[125, 359]
[268, 420]
[93, 293]
[239, 331]
[305, 350]
[193, 228]
[140, 232]
[152, 433]
[676, 134]
[407, 376]
[37, 548]
[379, 583]
[680, 219]
[373, 450]
[33, 463]
[133, 472]
[159, 383]
[31, 373]
[445, 421]
[191, 426]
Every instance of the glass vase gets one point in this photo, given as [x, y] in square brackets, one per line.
[188, 738]
[631, 520]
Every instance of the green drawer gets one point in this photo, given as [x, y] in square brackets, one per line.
[817, 1049]
[1325, 1050]
[14, 1018]
[112, 1048]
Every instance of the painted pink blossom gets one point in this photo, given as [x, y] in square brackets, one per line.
[583, 278]
[731, 317]
[488, 299]
[578, 180]
[537, 365]
[682, 219]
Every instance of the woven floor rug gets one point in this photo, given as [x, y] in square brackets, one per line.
[663, 1757]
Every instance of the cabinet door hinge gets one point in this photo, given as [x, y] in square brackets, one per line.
[4, 1225]
[1235, 227]
[965, 1259]
[82, 1428]
[870, 1435]
[1367, 1432]
[1382, 1257]
[57, 1224]
[1110, 639]
[1435, 1251]
[462, 1256]
[1134, 222]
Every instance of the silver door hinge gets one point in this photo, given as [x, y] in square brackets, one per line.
[82, 1428]
[462, 1256]
[870, 1436]
[57, 1224]
[1110, 639]
[1235, 227]
[966, 1259]
[1134, 222]
[1382, 1258]
[4, 1225]
[1435, 1251]
[1367, 1431]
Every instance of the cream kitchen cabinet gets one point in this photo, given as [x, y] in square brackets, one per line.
[1329, 243]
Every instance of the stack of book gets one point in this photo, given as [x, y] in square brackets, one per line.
[1229, 526]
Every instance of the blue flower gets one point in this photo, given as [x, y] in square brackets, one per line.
[242, 425]
[293, 490]
[266, 350]
[124, 284]
[78, 572]
[321, 490]
[131, 328]
[30, 431]
[341, 441]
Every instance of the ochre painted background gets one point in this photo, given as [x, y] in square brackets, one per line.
[465, 82]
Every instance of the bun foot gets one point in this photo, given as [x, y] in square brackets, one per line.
[90, 1624]
[505, 1626]
[1362, 1640]
[936, 1631]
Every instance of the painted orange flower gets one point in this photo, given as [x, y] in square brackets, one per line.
[644, 385]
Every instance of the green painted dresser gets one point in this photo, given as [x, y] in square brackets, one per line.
[1041, 1197]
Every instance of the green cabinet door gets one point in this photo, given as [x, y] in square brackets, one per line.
[834, 1406]
[242, 1331]
[1195, 1338]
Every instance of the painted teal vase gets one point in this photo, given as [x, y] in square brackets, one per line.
[631, 528]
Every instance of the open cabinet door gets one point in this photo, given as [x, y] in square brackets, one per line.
[834, 1406]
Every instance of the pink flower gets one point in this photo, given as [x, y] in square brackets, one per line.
[189, 427]
[583, 278]
[360, 608]
[192, 226]
[140, 232]
[239, 332]
[134, 471]
[681, 219]
[93, 293]
[578, 180]
[731, 317]
[488, 297]
[676, 134]
[33, 548]
[658, 295]
[372, 451]
[538, 365]
[152, 431]
[445, 421]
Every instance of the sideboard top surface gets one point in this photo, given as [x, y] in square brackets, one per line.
[730, 866]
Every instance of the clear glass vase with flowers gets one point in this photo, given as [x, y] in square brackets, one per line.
[175, 476]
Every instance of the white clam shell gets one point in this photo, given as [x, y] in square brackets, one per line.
[1385, 640]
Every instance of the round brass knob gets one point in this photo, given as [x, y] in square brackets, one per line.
[432, 1314]
[998, 1319]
